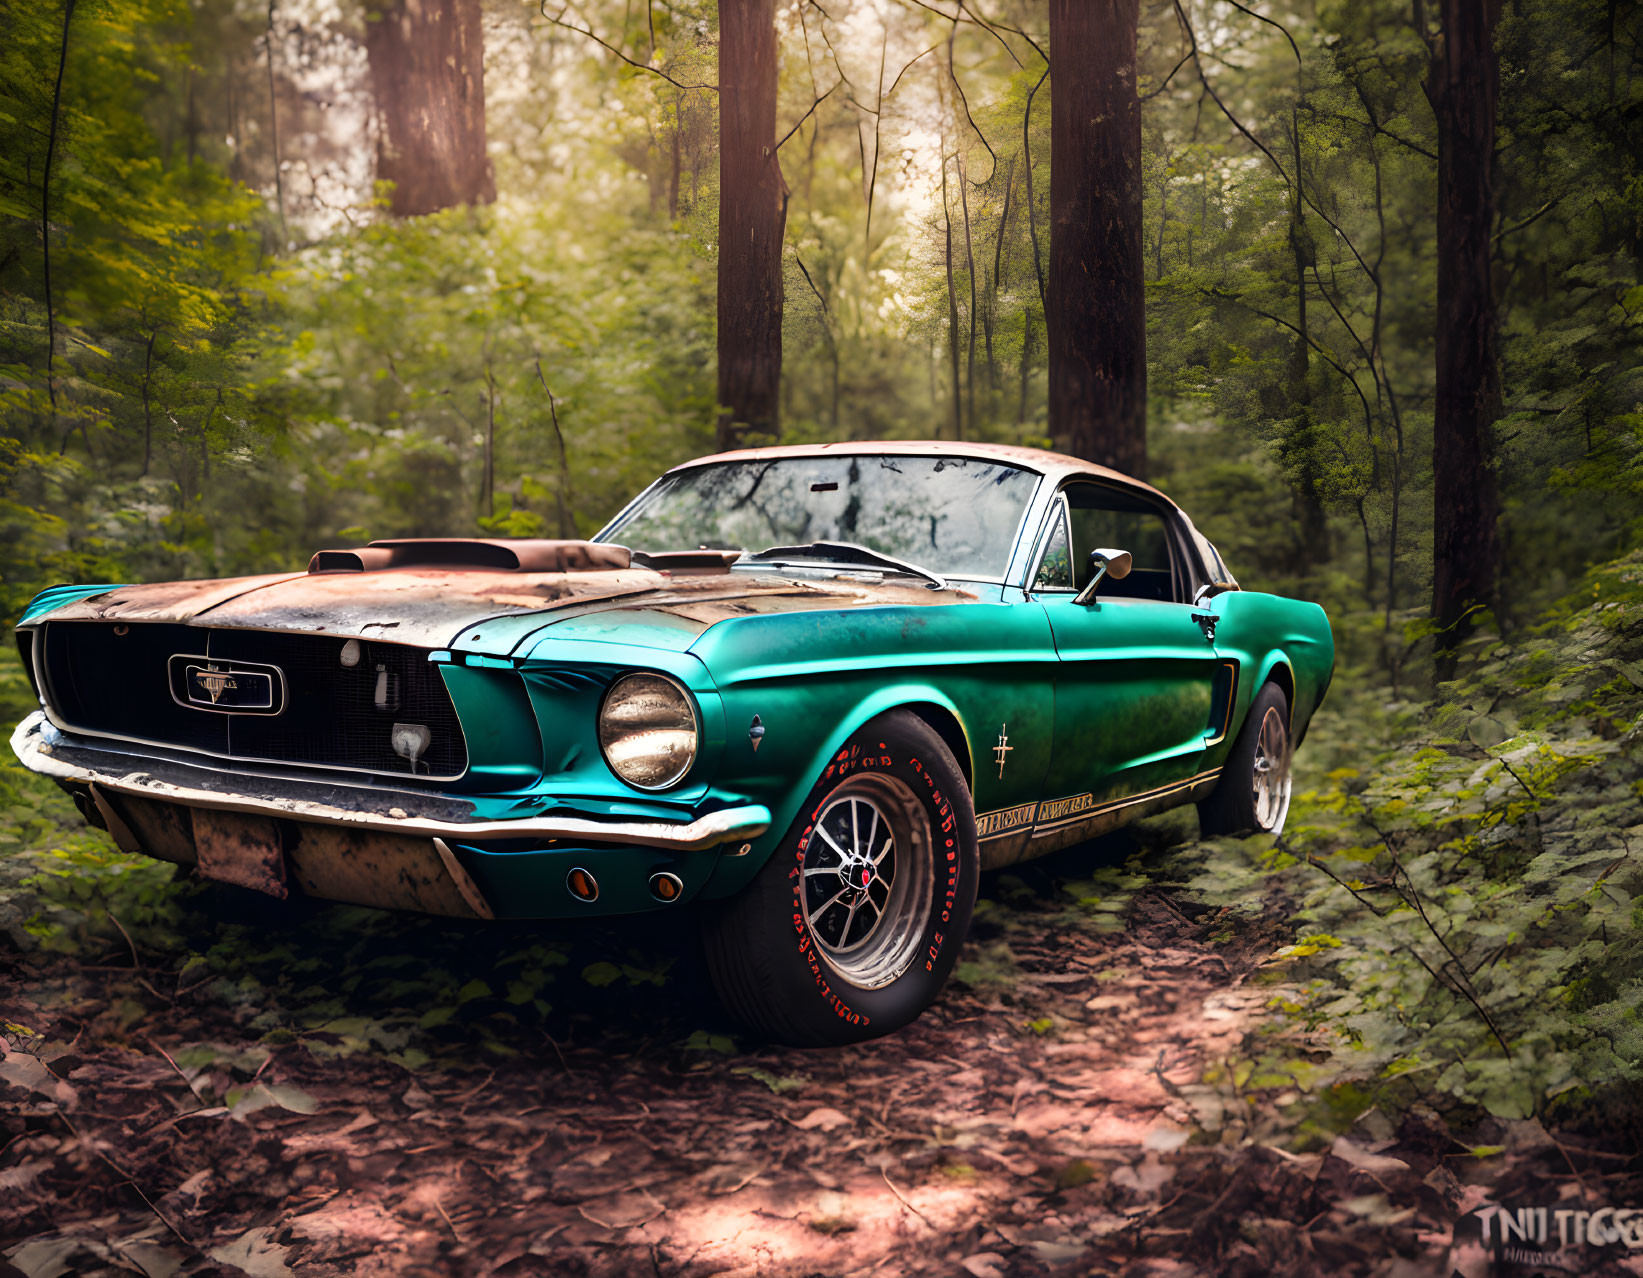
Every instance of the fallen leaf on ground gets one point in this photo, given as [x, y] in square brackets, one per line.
[1359, 1157]
[823, 1119]
[254, 1253]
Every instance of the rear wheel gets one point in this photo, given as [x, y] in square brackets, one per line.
[1252, 796]
[853, 925]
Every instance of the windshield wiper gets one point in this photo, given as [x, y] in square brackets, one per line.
[844, 553]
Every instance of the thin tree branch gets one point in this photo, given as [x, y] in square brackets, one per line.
[567, 525]
[803, 270]
[806, 116]
[1530, 220]
[1258, 144]
[908, 67]
[828, 41]
[1164, 84]
[878, 133]
[1198, 65]
[605, 44]
[1376, 125]
[1329, 359]
[1260, 17]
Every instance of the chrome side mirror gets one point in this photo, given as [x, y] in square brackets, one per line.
[1104, 562]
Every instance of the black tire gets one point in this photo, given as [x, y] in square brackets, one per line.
[1236, 805]
[789, 956]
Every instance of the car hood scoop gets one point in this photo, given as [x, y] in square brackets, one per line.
[479, 554]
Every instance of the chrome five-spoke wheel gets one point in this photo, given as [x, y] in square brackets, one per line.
[852, 926]
[867, 878]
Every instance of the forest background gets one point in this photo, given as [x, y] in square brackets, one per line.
[249, 354]
[250, 308]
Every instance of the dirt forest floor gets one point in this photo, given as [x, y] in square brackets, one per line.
[322, 1104]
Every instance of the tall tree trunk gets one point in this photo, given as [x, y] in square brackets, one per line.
[1095, 303]
[1032, 200]
[45, 217]
[952, 298]
[970, 270]
[428, 75]
[233, 120]
[989, 315]
[1466, 548]
[1026, 362]
[148, 414]
[274, 130]
[675, 160]
[752, 214]
[487, 498]
[1299, 446]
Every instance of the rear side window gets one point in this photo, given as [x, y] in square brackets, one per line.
[1214, 565]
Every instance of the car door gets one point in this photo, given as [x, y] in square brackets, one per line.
[1136, 674]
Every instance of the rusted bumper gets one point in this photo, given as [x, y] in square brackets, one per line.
[39, 745]
[389, 848]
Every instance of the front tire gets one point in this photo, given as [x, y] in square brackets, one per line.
[1252, 796]
[851, 928]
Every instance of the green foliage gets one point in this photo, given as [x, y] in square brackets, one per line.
[1466, 892]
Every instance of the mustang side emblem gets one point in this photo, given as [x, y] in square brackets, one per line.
[1003, 748]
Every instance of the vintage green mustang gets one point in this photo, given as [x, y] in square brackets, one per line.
[815, 689]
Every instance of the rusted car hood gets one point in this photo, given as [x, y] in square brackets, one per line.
[432, 607]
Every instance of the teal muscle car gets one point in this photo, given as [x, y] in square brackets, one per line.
[812, 691]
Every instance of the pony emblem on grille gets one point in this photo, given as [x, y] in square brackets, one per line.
[215, 682]
[205, 683]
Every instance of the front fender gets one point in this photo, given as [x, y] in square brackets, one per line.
[785, 771]
[54, 597]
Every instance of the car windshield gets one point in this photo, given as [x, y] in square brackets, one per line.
[956, 516]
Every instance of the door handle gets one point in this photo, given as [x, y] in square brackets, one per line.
[1206, 622]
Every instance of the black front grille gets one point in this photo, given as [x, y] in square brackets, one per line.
[118, 680]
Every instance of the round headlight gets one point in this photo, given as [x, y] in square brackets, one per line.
[647, 729]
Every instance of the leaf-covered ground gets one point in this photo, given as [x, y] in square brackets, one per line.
[399, 1102]
[1159, 1057]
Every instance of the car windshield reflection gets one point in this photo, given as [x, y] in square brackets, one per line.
[956, 516]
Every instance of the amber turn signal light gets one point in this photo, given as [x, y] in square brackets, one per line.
[582, 885]
[666, 887]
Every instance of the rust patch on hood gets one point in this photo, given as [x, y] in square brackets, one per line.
[431, 607]
[166, 600]
[423, 607]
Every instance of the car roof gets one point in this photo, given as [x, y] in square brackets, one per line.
[1054, 466]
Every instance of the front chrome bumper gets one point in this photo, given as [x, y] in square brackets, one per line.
[44, 749]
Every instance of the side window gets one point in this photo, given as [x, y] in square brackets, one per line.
[1214, 565]
[1055, 568]
[1111, 517]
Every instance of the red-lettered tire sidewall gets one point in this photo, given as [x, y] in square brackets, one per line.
[788, 990]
